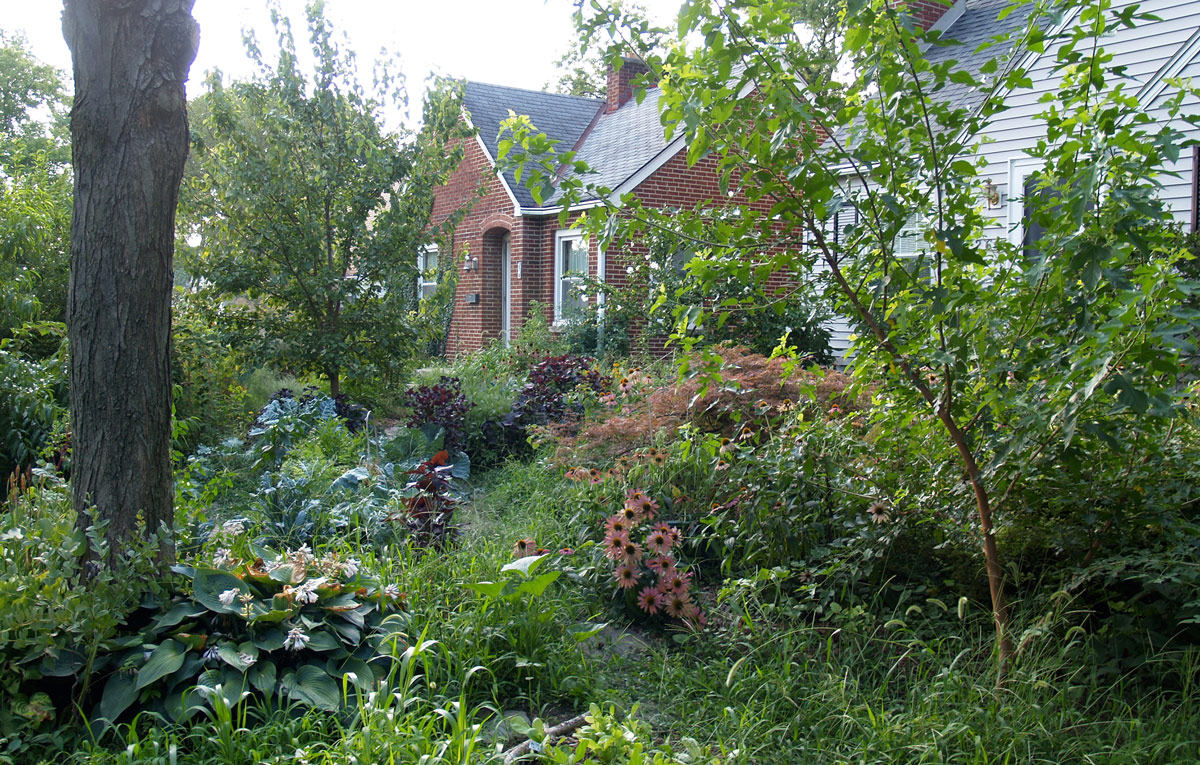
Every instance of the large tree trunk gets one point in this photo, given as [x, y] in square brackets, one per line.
[129, 141]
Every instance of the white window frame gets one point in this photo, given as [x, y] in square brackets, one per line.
[423, 270]
[1019, 171]
[560, 237]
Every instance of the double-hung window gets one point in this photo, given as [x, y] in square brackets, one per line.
[427, 263]
[571, 268]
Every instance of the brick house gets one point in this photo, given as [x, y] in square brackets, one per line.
[509, 251]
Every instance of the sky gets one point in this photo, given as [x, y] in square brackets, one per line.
[504, 42]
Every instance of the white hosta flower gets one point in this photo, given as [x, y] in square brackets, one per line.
[211, 653]
[228, 596]
[307, 592]
[350, 568]
[391, 591]
[295, 640]
[224, 558]
[233, 528]
[246, 659]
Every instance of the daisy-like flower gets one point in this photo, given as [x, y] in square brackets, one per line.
[631, 552]
[659, 459]
[878, 512]
[577, 474]
[658, 541]
[661, 565]
[524, 547]
[614, 545]
[626, 576]
[650, 600]
[675, 583]
[648, 508]
[296, 640]
[617, 524]
[228, 596]
[630, 513]
[694, 616]
[675, 605]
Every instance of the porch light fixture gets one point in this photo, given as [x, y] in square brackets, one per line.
[470, 264]
[991, 194]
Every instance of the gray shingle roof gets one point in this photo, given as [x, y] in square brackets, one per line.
[623, 142]
[977, 25]
[563, 118]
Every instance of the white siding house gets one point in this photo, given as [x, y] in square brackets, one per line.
[1153, 52]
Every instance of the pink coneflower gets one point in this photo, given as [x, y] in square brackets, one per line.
[647, 507]
[635, 496]
[631, 552]
[650, 600]
[675, 583]
[626, 576]
[879, 512]
[675, 605]
[658, 541]
[617, 525]
[631, 513]
[661, 564]
[524, 547]
[614, 545]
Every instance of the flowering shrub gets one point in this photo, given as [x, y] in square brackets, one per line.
[292, 626]
[443, 405]
[647, 569]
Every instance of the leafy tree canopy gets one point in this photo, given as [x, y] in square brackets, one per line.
[33, 105]
[309, 211]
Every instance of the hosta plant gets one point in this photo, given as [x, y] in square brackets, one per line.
[292, 625]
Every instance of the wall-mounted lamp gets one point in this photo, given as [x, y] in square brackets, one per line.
[470, 264]
[992, 194]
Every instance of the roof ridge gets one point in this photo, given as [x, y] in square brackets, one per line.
[537, 92]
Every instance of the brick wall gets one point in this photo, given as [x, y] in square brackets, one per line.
[620, 83]
[926, 12]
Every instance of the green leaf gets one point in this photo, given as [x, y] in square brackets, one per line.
[177, 614]
[538, 585]
[322, 641]
[315, 687]
[584, 630]
[269, 640]
[167, 658]
[236, 655]
[262, 676]
[208, 585]
[119, 693]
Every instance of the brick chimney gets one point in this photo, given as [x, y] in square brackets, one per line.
[620, 83]
[925, 13]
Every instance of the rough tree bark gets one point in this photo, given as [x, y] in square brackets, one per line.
[129, 141]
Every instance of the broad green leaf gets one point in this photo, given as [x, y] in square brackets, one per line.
[208, 585]
[119, 693]
[538, 584]
[167, 658]
[314, 686]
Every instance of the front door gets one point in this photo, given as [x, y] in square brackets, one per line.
[506, 290]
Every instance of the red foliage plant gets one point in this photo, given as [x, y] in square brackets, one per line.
[753, 389]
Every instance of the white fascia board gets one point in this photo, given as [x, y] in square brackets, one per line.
[947, 19]
[492, 161]
[1155, 86]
